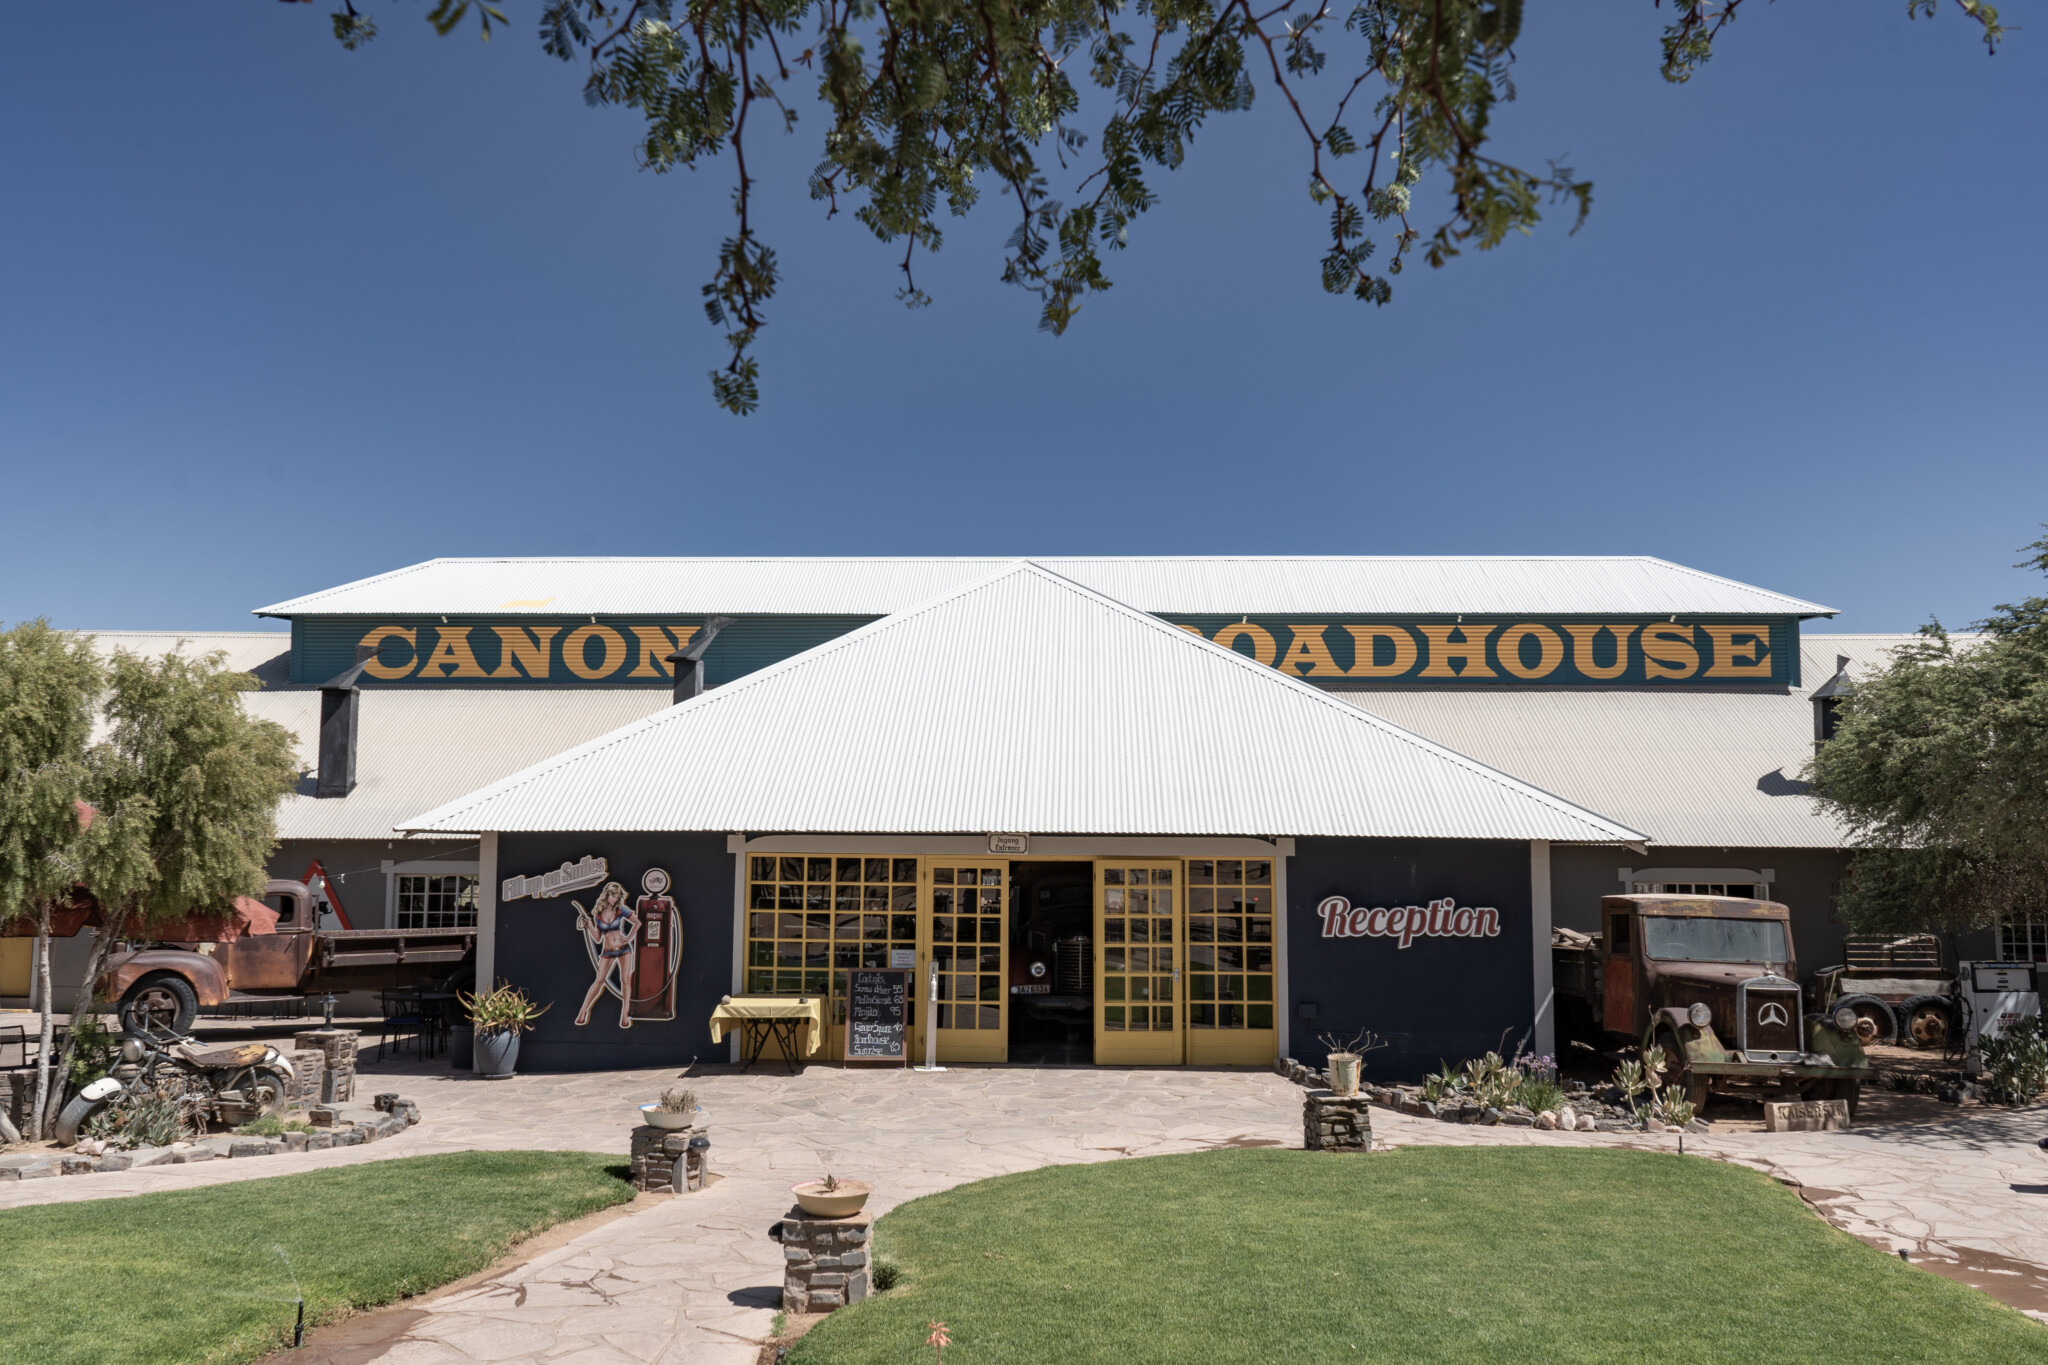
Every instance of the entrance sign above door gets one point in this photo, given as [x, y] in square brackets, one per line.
[1442, 918]
[1009, 843]
[576, 876]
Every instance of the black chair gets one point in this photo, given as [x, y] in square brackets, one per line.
[401, 1011]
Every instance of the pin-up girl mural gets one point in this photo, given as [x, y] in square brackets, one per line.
[610, 928]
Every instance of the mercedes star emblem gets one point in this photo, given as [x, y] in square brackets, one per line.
[1772, 1013]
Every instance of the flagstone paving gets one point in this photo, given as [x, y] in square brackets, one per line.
[695, 1278]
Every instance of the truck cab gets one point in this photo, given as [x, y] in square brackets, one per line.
[1712, 982]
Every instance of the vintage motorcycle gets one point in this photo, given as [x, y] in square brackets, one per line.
[228, 1084]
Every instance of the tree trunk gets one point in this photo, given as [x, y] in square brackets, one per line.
[102, 946]
[35, 1113]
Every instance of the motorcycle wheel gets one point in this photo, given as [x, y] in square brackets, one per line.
[266, 1092]
[74, 1116]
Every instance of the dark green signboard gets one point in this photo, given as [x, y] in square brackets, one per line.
[1552, 651]
[582, 651]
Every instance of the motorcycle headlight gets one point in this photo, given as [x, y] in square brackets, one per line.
[1699, 1015]
[131, 1049]
[1845, 1019]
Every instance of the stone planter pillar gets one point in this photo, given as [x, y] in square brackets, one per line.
[664, 1162]
[338, 1079]
[825, 1261]
[1335, 1123]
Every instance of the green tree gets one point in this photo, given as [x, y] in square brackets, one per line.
[925, 103]
[1939, 767]
[187, 785]
[48, 684]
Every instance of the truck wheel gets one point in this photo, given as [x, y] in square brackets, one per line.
[159, 1004]
[1929, 1022]
[1875, 1022]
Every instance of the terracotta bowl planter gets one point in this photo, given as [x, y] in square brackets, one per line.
[843, 1202]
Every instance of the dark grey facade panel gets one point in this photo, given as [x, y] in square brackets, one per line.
[1437, 1000]
[541, 949]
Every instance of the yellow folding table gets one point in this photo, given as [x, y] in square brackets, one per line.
[762, 1017]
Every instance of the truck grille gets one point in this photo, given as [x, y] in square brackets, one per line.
[1770, 1020]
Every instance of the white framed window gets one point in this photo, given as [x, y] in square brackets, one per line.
[1747, 889]
[2023, 940]
[435, 901]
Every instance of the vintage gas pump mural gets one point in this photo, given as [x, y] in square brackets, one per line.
[634, 951]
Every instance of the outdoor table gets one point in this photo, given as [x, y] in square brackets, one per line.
[761, 1017]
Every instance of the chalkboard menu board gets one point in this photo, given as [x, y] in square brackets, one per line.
[877, 1008]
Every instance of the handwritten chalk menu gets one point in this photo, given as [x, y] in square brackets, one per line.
[877, 1008]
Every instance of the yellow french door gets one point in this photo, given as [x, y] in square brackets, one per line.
[812, 918]
[1140, 1014]
[967, 932]
[1229, 951]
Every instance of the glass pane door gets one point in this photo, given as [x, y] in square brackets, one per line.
[813, 917]
[1230, 962]
[1139, 1005]
[967, 900]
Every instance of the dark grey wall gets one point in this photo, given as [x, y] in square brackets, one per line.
[540, 949]
[1437, 1000]
[357, 867]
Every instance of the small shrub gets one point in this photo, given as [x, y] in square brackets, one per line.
[676, 1100]
[97, 1047]
[1672, 1106]
[886, 1274]
[270, 1125]
[2017, 1064]
[138, 1121]
[1539, 1095]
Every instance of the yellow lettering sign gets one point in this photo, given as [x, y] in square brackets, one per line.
[376, 667]
[1730, 641]
[1668, 652]
[1469, 647]
[1582, 650]
[1362, 665]
[452, 655]
[1306, 652]
[1550, 650]
[526, 646]
[653, 651]
[1263, 648]
[614, 652]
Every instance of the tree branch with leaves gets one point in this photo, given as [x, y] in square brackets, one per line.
[923, 99]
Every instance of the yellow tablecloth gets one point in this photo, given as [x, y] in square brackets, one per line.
[734, 1009]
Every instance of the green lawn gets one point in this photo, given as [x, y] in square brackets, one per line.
[191, 1275]
[1423, 1255]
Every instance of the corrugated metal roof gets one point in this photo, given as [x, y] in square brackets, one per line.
[417, 749]
[1692, 767]
[262, 652]
[1190, 585]
[1054, 710]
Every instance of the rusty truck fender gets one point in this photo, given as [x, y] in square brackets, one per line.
[204, 975]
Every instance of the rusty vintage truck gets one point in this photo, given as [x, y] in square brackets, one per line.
[1712, 982]
[260, 958]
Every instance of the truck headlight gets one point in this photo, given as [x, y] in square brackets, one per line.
[1845, 1019]
[1037, 969]
[1699, 1015]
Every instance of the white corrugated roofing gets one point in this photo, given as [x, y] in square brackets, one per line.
[417, 749]
[1053, 710]
[247, 650]
[1692, 767]
[1189, 585]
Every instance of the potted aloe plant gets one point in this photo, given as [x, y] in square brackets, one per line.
[499, 1016]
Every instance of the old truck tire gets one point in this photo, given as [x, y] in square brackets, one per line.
[74, 1116]
[163, 1003]
[1929, 1022]
[1875, 1021]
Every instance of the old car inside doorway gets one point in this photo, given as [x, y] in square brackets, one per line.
[1052, 963]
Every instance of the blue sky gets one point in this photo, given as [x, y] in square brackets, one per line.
[274, 316]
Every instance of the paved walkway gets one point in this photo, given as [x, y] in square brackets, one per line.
[694, 1278]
